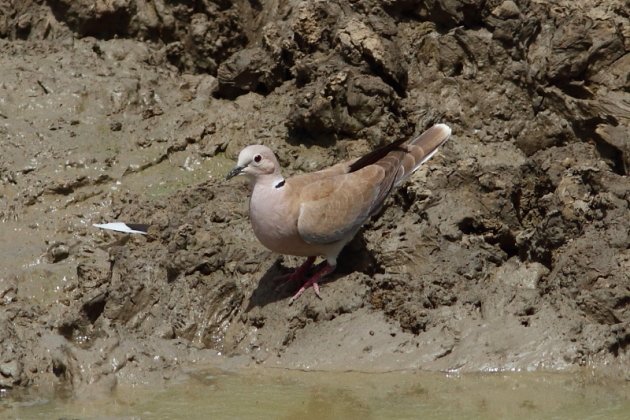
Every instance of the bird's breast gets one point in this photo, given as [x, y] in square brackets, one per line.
[274, 220]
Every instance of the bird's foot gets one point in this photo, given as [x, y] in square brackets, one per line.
[297, 275]
[313, 281]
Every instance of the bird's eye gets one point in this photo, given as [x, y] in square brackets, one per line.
[257, 158]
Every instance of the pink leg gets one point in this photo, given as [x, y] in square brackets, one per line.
[298, 273]
[327, 269]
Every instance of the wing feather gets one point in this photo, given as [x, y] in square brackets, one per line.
[334, 208]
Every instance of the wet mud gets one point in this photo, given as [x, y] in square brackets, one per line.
[509, 250]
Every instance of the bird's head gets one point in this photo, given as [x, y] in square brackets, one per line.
[255, 161]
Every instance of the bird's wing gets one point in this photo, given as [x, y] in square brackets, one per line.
[335, 202]
[334, 207]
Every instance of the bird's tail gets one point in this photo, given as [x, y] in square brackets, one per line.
[401, 158]
[420, 149]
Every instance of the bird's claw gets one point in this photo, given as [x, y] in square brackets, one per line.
[313, 281]
[296, 275]
[303, 289]
[316, 289]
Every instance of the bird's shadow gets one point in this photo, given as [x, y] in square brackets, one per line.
[355, 257]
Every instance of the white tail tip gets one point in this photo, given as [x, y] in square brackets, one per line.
[447, 130]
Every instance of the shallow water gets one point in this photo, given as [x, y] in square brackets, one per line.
[273, 394]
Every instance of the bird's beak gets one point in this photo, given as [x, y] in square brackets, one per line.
[237, 170]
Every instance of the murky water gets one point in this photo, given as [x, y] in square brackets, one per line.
[280, 394]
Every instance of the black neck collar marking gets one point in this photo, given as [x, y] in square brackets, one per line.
[280, 184]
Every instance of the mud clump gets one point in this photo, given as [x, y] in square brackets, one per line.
[508, 251]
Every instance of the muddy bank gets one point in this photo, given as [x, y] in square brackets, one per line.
[508, 251]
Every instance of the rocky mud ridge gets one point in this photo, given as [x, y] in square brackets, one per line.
[509, 250]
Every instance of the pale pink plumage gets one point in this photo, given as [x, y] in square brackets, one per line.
[318, 213]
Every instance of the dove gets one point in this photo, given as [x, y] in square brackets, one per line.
[316, 214]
